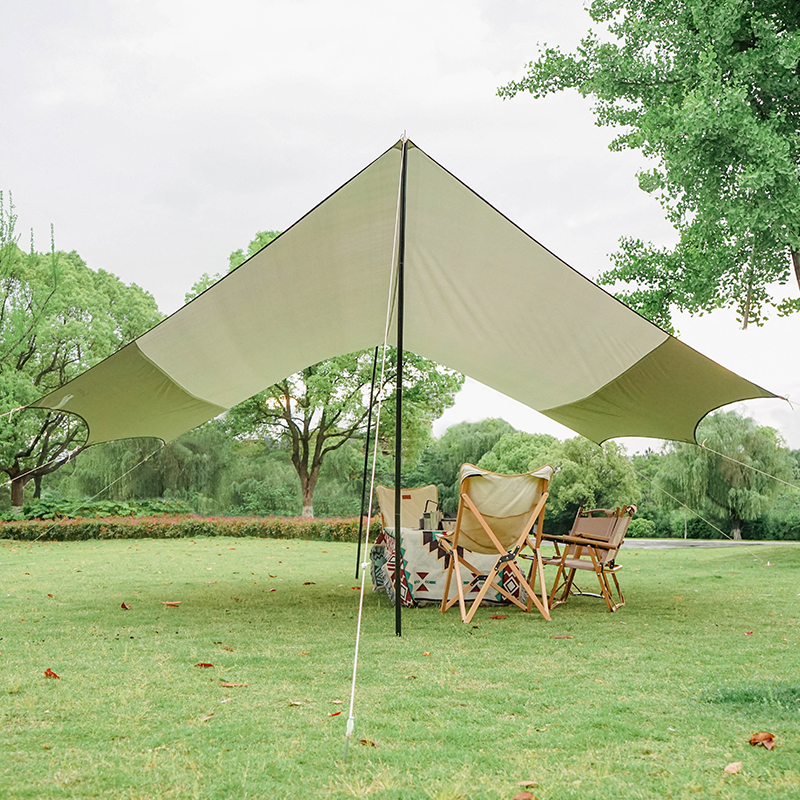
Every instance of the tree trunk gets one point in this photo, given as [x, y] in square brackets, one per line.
[308, 483]
[736, 532]
[796, 265]
[17, 488]
[746, 311]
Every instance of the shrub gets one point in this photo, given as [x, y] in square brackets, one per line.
[642, 528]
[52, 508]
[185, 526]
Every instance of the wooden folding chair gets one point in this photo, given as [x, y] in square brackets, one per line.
[413, 504]
[592, 545]
[498, 515]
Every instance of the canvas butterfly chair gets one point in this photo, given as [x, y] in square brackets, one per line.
[499, 515]
[592, 545]
[413, 504]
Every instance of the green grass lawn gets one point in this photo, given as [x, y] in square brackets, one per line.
[651, 702]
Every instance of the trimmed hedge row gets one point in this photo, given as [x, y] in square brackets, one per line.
[184, 526]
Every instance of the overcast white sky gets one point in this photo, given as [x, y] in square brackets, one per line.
[157, 137]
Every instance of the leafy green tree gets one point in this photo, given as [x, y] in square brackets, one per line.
[650, 506]
[586, 475]
[197, 468]
[520, 452]
[319, 409]
[732, 490]
[57, 318]
[441, 460]
[710, 91]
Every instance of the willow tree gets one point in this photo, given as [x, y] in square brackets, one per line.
[709, 91]
[735, 486]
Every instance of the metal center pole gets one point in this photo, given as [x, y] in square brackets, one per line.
[398, 446]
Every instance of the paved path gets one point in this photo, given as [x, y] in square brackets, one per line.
[664, 544]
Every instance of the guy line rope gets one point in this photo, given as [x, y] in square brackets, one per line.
[392, 280]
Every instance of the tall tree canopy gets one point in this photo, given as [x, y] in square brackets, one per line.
[585, 476]
[320, 408]
[710, 91]
[58, 317]
[441, 460]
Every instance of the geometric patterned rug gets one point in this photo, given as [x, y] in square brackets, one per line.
[425, 563]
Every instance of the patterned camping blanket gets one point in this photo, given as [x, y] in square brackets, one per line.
[425, 562]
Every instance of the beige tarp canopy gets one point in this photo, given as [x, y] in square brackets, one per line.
[481, 296]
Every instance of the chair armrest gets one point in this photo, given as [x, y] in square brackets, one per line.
[552, 537]
[580, 540]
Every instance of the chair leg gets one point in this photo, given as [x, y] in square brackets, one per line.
[607, 594]
[567, 578]
[445, 599]
[459, 586]
[481, 594]
[556, 587]
[542, 605]
[530, 588]
[619, 592]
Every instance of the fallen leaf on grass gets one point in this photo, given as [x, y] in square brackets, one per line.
[309, 583]
[427, 654]
[499, 616]
[337, 702]
[226, 647]
[767, 739]
[368, 742]
[295, 703]
[523, 796]
[749, 633]
[733, 768]
[528, 783]
[302, 653]
[171, 603]
[411, 677]
[49, 595]
[334, 713]
[355, 587]
[125, 607]
[561, 636]
[206, 718]
[48, 673]
[229, 685]
[204, 664]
